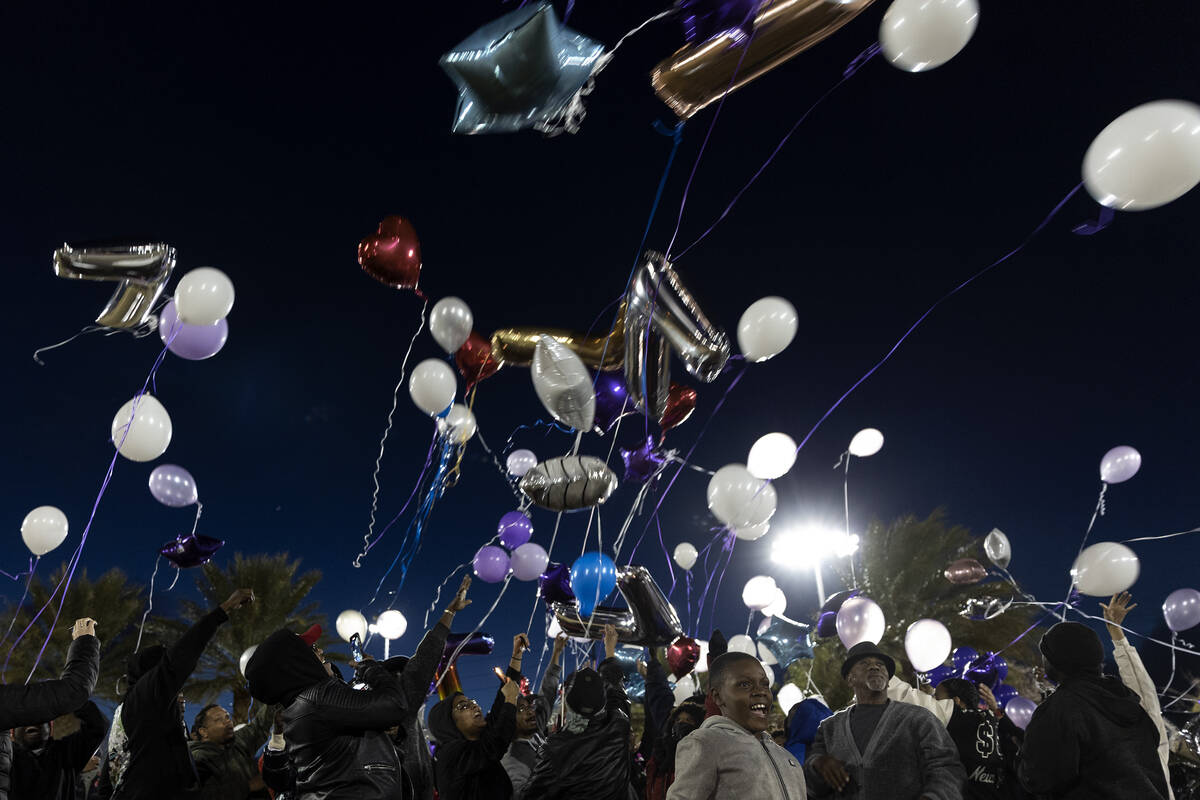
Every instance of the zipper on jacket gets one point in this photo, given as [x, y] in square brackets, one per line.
[778, 774]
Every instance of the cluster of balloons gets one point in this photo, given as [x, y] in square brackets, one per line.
[527, 561]
[192, 325]
[989, 669]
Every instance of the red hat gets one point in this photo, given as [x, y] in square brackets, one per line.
[311, 635]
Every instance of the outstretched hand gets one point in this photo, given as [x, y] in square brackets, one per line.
[510, 690]
[460, 600]
[238, 599]
[610, 641]
[560, 644]
[989, 699]
[520, 645]
[83, 627]
[832, 771]
[1115, 612]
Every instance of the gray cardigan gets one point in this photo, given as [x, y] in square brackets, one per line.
[910, 756]
[724, 761]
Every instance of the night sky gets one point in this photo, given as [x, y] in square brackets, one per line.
[267, 141]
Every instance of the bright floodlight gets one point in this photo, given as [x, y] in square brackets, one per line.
[392, 624]
[805, 547]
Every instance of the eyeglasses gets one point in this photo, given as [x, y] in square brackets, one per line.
[463, 705]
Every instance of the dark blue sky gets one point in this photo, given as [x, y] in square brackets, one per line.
[268, 141]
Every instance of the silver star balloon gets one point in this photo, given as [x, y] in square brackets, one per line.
[523, 70]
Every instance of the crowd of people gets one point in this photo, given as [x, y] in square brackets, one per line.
[316, 736]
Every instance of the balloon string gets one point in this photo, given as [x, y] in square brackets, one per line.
[196, 521]
[887, 357]
[749, 621]
[17, 612]
[1098, 512]
[1186, 693]
[1187, 650]
[175, 580]
[412, 494]
[149, 604]
[475, 630]
[138, 332]
[666, 555]
[69, 572]
[846, 501]
[730, 541]
[1164, 536]
[438, 594]
[691, 626]
[549, 554]
[1171, 680]
[848, 73]
[367, 543]
[20, 575]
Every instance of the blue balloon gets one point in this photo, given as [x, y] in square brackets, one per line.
[939, 674]
[593, 576]
[1004, 693]
[787, 641]
[963, 656]
[1001, 667]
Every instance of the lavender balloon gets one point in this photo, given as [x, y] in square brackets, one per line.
[1020, 711]
[528, 562]
[173, 486]
[515, 529]
[1120, 464]
[193, 342]
[491, 564]
[1181, 609]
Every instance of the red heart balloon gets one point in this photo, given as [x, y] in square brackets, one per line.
[392, 255]
[681, 402]
[474, 359]
[683, 655]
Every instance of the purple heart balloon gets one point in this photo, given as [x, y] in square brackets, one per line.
[191, 550]
[193, 342]
[642, 462]
[704, 19]
[515, 529]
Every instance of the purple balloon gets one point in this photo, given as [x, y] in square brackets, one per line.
[173, 486]
[1004, 693]
[612, 401]
[1181, 609]
[491, 564]
[1020, 711]
[191, 550]
[704, 19]
[515, 529]
[555, 584]
[642, 462]
[939, 674]
[528, 561]
[193, 342]
[963, 656]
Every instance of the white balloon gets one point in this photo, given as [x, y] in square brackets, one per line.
[563, 384]
[204, 296]
[451, 323]
[998, 548]
[459, 425]
[520, 461]
[866, 442]
[44, 529]
[752, 532]
[763, 626]
[743, 644]
[739, 499]
[1146, 157]
[769, 670]
[772, 456]
[350, 622]
[147, 438]
[685, 687]
[685, 555]
[391, 624]
[766, 328]
[432, 386]
[918, 35]
[1120, 464]
[1104, 569]
[245, 659]
[759, 592]
[765, 655]
[860, 619]
[927, 644]
[778, 604]
[789, 695]
[702, 663]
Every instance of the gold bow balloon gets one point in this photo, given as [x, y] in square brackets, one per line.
[515, 346]
[700, 73]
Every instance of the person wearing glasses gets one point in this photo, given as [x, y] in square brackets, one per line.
[471, 745]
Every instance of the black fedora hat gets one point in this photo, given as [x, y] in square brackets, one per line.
[863, 650]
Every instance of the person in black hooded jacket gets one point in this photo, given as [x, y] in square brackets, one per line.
[588, 758]
[1091, 738]
[35, 703]
[334, 734]
[160, 765]
[470, 746]
[45, 768]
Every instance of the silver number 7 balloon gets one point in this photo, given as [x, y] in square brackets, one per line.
[140, 271]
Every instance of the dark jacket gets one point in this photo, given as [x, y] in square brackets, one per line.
[415, 680]
[521, 758]
[278, 774]
[335, 734]
[35, 703]
[471, 770]
[225, 770]
[802, 723]
[53, 773]
[160, 765]
[593, 764]
[977, 736]
[1092, 739]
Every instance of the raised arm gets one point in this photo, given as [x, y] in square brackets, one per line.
[902, 692]
[35, 703]
[419, 672]
[377, 709]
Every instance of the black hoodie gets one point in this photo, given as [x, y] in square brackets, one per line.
[1092, 739]
[471, 770]
[335, 734]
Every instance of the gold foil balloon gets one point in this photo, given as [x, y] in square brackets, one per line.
[702, 72]
[515, 346]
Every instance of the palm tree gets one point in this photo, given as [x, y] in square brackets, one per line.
[279, 602]
[112, 600]
[901, 570]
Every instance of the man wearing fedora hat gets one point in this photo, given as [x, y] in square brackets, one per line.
[878, 749]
